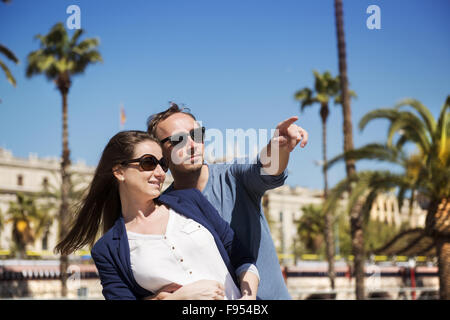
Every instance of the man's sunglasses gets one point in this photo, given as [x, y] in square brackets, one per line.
[148, 162]
[197, 135]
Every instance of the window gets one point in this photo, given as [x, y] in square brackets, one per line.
[20, 180]
[45, 242]
[45, 183]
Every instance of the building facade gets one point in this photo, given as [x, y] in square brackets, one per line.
[282, 206]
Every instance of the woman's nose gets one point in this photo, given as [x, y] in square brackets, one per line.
[159, 171]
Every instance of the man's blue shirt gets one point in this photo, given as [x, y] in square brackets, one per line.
[236, 190]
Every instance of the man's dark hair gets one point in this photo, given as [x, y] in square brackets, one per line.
[155, 119]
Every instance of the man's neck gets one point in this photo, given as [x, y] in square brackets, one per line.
[195, 179]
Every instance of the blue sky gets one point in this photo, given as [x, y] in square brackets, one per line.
[236, 64]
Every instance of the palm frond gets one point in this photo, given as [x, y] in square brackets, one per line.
[305, 97]
[336, 193]
[8, 73]
[87, 58]
[442, 131]
[75, 37]
[424, 112]
[85, 45]
[413, 128]
[372, 151]
[389, 114]
[38, 62]
[338, 98]
[9, 54]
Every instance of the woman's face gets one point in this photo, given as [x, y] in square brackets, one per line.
[134, 180]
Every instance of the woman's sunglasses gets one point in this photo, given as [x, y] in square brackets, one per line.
[149, 162]
[197, 135]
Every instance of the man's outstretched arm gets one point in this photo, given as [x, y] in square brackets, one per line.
[275, 156]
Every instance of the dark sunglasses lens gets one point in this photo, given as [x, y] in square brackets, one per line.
[164, 164]
[148, 163]
[176, 139]
[198, 134]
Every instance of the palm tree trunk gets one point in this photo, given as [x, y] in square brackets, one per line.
[357, 237]
[443, 253]
[329, 241]
[63, 84]
[355, 216]
[435, 224]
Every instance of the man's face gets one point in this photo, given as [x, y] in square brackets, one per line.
[186, 156]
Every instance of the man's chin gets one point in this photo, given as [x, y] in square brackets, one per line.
[189, 167]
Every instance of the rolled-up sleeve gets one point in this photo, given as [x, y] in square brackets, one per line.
[254, 179]
[250, 267]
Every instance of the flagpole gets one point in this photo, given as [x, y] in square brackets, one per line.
[121, 122]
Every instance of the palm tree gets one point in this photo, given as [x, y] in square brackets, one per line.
[28, 219]
[356, 222]
[311, 229]
[61, 58]
[426, 173]
[325, 88]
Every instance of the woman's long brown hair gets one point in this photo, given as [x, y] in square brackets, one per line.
[101, 206]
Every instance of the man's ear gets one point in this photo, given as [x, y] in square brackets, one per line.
[118, 172]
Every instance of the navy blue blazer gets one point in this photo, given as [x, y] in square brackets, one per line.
[111, 253]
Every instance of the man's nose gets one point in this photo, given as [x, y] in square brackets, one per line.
[191, 143]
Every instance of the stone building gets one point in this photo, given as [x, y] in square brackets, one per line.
[33, 175]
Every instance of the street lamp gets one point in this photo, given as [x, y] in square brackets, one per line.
[412, 266]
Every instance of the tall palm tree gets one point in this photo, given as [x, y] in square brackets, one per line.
[61, 58]
[426, 173]
[356, 221]
[325, 87]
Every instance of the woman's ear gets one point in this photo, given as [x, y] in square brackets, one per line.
[118, 172]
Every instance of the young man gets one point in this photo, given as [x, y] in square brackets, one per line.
[235, 190]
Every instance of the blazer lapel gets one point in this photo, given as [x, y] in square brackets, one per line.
[177, 204]
[185, 207]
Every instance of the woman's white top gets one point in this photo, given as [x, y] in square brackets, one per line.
[186, 253]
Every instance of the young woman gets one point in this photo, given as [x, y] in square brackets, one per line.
[164, 246]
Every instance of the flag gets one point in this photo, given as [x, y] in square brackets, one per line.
[123, 117]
